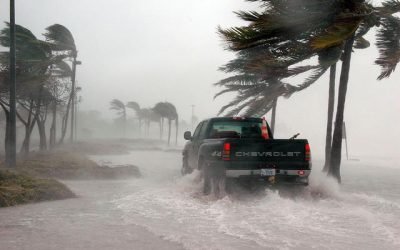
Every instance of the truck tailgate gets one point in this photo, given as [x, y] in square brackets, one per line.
[280, 154]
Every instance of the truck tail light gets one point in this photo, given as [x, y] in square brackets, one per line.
[264, 129]
[226, 152]
[301, 172]
[308, 152]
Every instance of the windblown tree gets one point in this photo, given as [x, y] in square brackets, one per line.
[62, 42]
[40, 70]
[120, 108]
[60, 89]
[136, 107]
[148, 115]
[168, 111]
[258, 83]
[294, 31]
[34, 59]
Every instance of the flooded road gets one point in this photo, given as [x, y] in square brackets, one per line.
[162, 210]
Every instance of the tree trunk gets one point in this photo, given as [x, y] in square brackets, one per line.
[124, 124]
[52, 140]
[7, 136]
[161, 127]
[273, 116]
[177, 131]
[29, 125]
[336, 152]
[140, 128]
[26, 143]
[65, 122]
[169, 131]
[42, 134]
[331, 107]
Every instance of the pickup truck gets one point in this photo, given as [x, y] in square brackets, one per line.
[244, 148]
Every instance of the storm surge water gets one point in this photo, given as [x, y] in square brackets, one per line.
[363, 213]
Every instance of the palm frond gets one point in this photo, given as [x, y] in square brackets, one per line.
[313, 78]
[243, 79]
[116, 104]
[388, 43]
[390, 7]
[336, 34]
[60, 38]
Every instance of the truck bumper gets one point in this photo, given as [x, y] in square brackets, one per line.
[283, 176]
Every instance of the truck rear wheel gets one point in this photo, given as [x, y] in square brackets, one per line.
[214, 180]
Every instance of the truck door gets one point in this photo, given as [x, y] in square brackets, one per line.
[192, 153]
[199, 141]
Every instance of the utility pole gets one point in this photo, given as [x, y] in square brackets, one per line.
[77, 101]
[193, 116]
[73, 94]
[12, 136]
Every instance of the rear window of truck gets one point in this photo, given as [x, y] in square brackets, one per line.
[235, 129]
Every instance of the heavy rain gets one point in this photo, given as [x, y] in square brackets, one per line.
[229, 124]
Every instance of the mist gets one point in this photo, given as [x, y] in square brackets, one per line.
[125, 171]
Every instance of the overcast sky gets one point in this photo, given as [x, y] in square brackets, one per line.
[150, 51]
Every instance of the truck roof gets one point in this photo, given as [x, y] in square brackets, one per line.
[235, 119]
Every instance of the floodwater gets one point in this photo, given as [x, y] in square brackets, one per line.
[163, 210]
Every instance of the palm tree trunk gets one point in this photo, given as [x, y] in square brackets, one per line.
[65, 122]
[161, 127]
[331, 104]
[124, 123]
[273, 116]
[52, 140]
[177, 131]
[6, 136]
[169, 131]
[42, 134]
[29, 125]
[336, 152]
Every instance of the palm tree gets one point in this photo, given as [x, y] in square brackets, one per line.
[167, 110]
[258, 83]
[136, 107]
[119, 106]
[62, 40]
[162, 110]
[318, 26]
[34, 58]
[60, 71]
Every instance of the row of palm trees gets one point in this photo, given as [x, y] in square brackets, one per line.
[159, 113]
[45, 82]
[283, 36]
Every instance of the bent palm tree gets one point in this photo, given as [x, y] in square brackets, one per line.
[167, 110]
[319, 26]
[119, 107]
[136, 107]
[61, 40]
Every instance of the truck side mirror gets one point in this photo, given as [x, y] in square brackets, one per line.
[187, 135]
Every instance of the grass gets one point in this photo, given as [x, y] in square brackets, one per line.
[72, 166]
[18, 189]
[35, 178]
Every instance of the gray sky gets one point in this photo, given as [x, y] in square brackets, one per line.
[150, 51]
